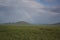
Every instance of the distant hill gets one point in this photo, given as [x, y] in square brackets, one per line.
[56, 24]
[27, 23]
[22, 22]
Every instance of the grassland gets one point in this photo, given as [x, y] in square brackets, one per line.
[29, 32]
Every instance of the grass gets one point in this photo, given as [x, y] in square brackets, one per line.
[29, 32]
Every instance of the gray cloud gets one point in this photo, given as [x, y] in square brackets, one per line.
[26, 10]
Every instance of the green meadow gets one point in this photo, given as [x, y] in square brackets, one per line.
[29, 32]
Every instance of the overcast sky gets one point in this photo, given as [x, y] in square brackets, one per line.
[33, 11]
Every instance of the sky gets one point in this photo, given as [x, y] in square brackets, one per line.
[32, 11]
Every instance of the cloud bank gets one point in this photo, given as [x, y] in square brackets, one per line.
[28, 10]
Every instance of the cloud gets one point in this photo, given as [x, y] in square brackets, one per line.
[26, 10]
[49, 0]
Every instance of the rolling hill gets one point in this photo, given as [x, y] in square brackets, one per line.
[22, 22]
[19, 23]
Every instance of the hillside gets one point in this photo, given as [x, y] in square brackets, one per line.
[56, 24]
[18, 23]
[22, 22]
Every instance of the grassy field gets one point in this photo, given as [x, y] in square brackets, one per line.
[29, 32]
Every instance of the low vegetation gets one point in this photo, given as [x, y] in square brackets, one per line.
[29, 32]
